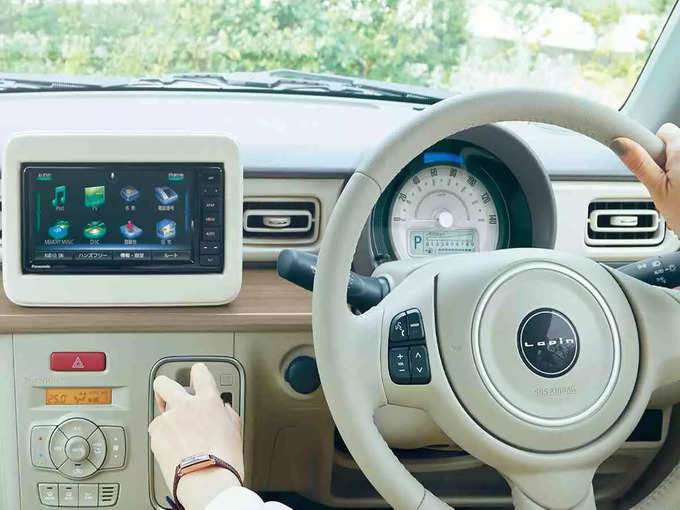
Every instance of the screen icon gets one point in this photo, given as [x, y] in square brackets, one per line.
[129, 193]
[95, 196]
[130, 230]
[166, 195]
[166, 229]
[59, 230]
[94, 230]
[59, 196]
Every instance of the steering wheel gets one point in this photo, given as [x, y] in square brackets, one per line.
[538, 363]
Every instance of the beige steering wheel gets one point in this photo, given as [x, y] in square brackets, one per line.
[540, 363]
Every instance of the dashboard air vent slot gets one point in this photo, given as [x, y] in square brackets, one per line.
[631, 222]
[280, 220]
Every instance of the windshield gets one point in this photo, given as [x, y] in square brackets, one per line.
[595, 48]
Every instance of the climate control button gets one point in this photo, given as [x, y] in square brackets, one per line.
[97, 444]
[40, 456]
[77, 449]
[77, 427]
[74, 469]
[115, 439]
[58, 447]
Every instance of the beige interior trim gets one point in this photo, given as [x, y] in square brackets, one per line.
[266, 302]
[572, 199]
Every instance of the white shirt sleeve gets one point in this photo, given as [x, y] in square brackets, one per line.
[240, 498]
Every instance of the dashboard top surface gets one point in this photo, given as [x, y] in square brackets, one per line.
[281, 135]
[266, 302]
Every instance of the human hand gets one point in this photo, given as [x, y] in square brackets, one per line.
[195, 424]
[663, 183]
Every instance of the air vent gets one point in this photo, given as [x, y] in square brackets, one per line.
[280, 220]
[624, 223]
[108, 494]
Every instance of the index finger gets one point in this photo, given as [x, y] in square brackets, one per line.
[202, 381]
[169, 391]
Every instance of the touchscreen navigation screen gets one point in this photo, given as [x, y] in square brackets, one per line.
[128, 218]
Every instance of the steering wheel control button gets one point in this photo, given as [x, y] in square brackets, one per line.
[420, 365]
[77, 449]
[58, 447]
[399, 328]
[398, 362]
[415, 325]
[40, 437]
[115, 441]
[548, 342]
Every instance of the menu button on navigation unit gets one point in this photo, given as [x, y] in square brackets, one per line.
[170, 256]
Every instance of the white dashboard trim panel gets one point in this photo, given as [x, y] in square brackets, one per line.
[107, 290]
[572, 199]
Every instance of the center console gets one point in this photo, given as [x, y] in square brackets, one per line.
[107, 219]
[84, 403]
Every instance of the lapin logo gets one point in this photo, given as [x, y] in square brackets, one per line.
[548, 343]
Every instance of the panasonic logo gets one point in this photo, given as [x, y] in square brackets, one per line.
[550, 342]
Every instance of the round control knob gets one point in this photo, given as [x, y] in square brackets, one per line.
[77, 449]
[303, 375]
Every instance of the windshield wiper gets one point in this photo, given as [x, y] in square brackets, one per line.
[279, 81]
[284, 80]
[31, 83]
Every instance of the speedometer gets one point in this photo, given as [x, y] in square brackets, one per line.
[443, 209]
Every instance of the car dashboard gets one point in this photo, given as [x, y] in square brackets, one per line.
[514, 184]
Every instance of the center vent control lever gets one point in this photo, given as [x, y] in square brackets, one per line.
[299, 267]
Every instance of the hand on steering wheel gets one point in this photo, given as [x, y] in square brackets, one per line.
[663, 183]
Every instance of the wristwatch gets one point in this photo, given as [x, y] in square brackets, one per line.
[196, 463]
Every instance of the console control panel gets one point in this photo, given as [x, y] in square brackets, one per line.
[81, 495]
[78, 448]
[407, 357]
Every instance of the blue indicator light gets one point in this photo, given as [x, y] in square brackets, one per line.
[439, 157]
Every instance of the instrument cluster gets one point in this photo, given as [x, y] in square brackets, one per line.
[456, 197]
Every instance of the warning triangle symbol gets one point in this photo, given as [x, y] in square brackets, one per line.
[78, 363]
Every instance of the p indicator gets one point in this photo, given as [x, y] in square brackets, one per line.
[548, 342]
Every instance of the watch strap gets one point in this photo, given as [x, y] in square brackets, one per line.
[211, 461]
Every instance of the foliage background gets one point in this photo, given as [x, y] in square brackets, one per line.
[424, 42]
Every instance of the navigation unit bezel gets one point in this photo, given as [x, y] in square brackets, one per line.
[174, 285]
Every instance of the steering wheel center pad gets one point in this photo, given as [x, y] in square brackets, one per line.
[537, 317]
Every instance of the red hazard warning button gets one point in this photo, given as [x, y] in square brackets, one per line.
[78, 361]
